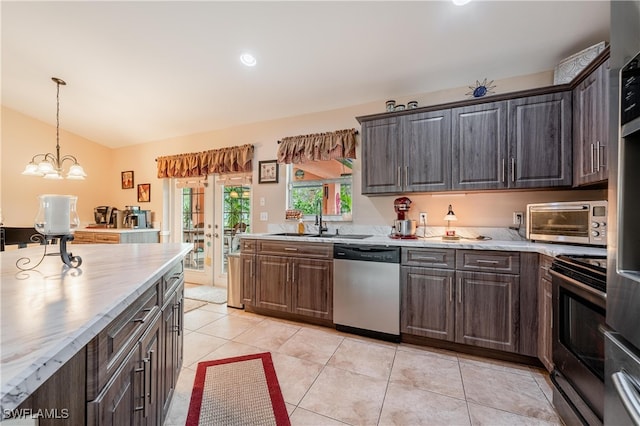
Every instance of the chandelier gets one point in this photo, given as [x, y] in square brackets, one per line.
[49, 165]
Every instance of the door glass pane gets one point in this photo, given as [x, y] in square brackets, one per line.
[236, 215]
[193, 226]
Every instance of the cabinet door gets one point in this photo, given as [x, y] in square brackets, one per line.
[381, 156]
[172, 331]
[312, 288]
[487, 308]
[590, 127]
[248, 269]
[427, 151]
[118, 402]
[273, 288]
[479, 137]
[545, 314]
[540, 148]
[150, 384]
[426, 302]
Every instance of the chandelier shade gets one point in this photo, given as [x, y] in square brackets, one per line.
[49, 165]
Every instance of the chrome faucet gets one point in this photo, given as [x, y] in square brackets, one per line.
[321, 227]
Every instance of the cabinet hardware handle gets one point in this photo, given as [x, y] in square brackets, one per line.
[399, 177]
[450, 289]
[151, 364]
[491, 262]
[142, 320]
[143, 370]
[287, 280]
[593, 168]
[251, 268]
[513, 169]
[290, 249]
[601, 149]
[406, 175]
[293, 274]
[425, 258]
[504, 178]
[459, 290]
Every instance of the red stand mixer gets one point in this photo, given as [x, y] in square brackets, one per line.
[404, 227]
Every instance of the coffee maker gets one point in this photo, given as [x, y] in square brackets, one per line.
[404, 227]
[136, 218]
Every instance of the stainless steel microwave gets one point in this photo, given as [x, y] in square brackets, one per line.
[573, 222]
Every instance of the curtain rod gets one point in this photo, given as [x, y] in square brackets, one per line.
[355, 133]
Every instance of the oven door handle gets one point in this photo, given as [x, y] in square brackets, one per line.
[554, 208]
[628, 392]
[580, 285]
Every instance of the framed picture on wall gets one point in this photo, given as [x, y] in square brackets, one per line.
[144, 192]
[127, 179]
[268, 171]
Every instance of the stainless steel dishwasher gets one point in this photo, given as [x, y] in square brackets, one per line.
[366, 290]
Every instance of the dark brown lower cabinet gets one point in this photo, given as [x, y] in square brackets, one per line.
[473, 308]
[296, 285]
[487, 310]
[172, 353]
[248, 273]
[545, 314]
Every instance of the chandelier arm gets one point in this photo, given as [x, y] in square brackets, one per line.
[70, 158]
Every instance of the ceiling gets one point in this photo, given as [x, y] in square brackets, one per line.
[144, 71]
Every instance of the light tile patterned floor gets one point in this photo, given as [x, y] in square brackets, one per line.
[333, 378]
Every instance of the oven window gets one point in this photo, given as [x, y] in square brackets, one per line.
[581, 325]
[568, 223]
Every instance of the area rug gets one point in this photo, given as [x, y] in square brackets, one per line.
[243, 390]
[191, 304]
[206, 293]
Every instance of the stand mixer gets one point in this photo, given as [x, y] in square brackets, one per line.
[405, 228]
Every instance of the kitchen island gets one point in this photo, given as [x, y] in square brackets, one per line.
[53, 313]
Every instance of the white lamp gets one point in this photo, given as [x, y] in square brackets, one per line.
[450, 234]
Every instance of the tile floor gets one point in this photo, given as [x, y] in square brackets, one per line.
[333, 378]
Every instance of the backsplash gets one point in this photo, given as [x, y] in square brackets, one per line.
[473, 233]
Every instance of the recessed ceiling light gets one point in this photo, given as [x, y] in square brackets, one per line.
[248, 59]
[460, 2]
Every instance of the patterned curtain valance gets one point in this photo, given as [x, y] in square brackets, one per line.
[235, 159]
[319, 146]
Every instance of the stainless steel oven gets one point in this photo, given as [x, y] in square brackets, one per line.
[579, 312]
[575, 222]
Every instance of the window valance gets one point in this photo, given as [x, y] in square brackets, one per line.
[319, 146]
[235, 159]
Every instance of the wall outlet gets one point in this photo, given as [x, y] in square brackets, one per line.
[423, 218]
[264, 216]
[518, 218]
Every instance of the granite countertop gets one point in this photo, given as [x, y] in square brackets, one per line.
[52, 312]
[549, 249]
[118, 230]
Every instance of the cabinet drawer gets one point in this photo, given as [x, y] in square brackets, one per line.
[294, 249]
[83, 237]
[171, 279]
[488, 261]
[432, 258]
[107, 350]
[247, 245]
[545, 265]
[107, 238]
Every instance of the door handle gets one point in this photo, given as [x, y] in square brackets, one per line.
[450, 289]
[600, 158]
[208, 235]
[593, 168]
[406, 175]
[459, 290]
[399, 177]
[627, 390]
[504, 178]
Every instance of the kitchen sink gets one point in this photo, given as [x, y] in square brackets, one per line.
[346, 236]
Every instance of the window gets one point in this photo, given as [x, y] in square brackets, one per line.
[325, 183]
[193, 225]
[236, 216]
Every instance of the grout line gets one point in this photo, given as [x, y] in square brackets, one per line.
[386, 389]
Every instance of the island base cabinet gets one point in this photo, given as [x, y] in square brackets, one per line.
[427, 307]
[172, 353]
[131, 395]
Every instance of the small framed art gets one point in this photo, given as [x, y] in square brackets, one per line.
[268, 171]
[144, 192]
[127, 179]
